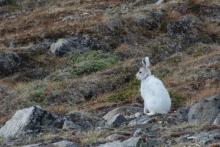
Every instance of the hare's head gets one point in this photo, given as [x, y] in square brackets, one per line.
[144, 71]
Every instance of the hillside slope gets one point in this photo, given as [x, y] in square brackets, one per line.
[82, 56]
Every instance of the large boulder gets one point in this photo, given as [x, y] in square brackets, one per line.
[30, 121]
[9, 62]
[205, 111]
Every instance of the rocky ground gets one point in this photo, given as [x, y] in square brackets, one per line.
[67, 72]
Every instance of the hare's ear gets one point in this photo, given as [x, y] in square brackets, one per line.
[143, 62]
[147, 62]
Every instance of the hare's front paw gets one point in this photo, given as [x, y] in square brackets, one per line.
[151, 113]
[145, 110]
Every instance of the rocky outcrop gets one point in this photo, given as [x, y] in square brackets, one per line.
[205, 111]
[9, 62]
[30, 121]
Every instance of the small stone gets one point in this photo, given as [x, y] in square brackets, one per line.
[217, 120]
[65, 144]
[138, 132]
[138, 114]
[116, 121]
[140, 121]
[70, 125]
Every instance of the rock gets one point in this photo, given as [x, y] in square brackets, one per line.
[205, 111]
[9, 62]
[3, 2]
[140, 121]
[65, 144]
[131, 142]
[69, 125]
[138, 132]
[217, 120]
[126, 111]
[116, 120]
[204, 138]
[33, 145]
[152, 143]
[81, 121]
[75, 44]
[115, 137]
[182, 114]
[30, 121]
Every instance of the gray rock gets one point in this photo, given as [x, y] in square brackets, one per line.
[140, 121]
[68, 125]
[29, 121]
[205, 111]
[65, 144]
[182, 114]
[116, 120]
[3, 2]
[79, 120]
[138, 132]
[33, 145]
[131, 142]
[115, 137]
[9, 62]
[126, 111]
[217, 120]
[75, 44]
[204, 138]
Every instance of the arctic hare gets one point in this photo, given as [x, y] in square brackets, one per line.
[155, 95]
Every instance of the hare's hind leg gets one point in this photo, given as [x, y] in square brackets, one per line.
[151, 113]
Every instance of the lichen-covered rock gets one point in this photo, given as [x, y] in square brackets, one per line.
[75, 44]
[205, 111]
[30, 121]
[80, 121]
[116, 120]
[9, 62]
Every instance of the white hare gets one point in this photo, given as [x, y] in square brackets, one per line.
[155, 95]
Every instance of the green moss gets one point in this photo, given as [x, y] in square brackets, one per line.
[176, 99]
[129, 91]
[44, 93]
[90, 62]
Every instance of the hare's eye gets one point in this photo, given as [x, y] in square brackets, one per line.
[140, 72]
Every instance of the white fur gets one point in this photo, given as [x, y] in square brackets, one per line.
[155, 95]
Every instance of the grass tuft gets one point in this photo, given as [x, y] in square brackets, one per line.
[125, 93]
[93, 61]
